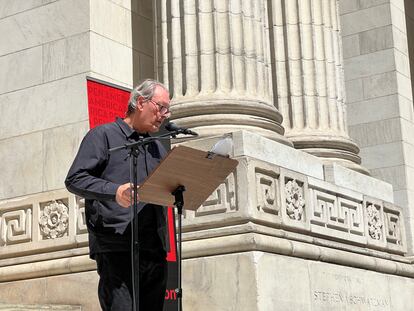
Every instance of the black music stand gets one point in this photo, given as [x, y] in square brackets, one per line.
[185, 175]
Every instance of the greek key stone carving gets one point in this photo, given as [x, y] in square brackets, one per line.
[80, 216]
[295, 202]
[16, 226]
[393, 229]
[222, 200]
[355, 218]
[53, 220]
[374, 222]
[267, 198]
[332, 215]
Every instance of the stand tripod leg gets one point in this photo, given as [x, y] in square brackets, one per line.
[179, 203]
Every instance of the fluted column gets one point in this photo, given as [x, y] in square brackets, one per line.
[215, 57]
[309, 88]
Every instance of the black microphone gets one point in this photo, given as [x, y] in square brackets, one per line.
[171, 127]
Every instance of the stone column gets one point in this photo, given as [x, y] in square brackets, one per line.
[308, 75]
[215, 58]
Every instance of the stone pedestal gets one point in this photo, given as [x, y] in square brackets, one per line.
[285, 231]
[264, 281]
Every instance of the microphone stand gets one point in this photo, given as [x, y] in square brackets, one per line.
[133, 156]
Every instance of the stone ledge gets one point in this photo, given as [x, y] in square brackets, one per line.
[12, 307]
[46, 268]
[258, 242]
[346, 178]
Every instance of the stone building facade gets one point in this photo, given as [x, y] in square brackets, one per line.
[317, 96]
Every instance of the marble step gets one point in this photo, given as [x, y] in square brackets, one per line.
[18, 307]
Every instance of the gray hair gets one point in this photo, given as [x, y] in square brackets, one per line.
[145, 89]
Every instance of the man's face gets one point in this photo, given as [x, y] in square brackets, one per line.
[149, 114]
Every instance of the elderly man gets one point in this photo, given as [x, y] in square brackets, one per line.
[102, 178]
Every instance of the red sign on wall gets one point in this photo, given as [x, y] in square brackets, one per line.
[105, 102]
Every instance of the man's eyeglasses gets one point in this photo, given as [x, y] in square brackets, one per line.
[163, 111]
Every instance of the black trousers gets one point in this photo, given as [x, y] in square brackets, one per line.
[115, 283]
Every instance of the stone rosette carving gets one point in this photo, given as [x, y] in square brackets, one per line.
[54, 220]
[295, 202]
[374, 222]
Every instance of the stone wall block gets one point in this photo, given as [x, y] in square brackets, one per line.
[373, 110]
[338, 288]
[202, 275]
[409, 151]
[31, 28]
[384, 155]
[400, 40]
[348, 6]
[143, 66]
[406, 108]
[395, 175]
[354, 93]
[407, 129]
[13, 7]
[404, 86]
[402, 63]
[60, 146]
[142, 40]
[376, 39]
[363, 4]
[351, 46]
[116, 62]
[369, 64]
[365, 19]
[288, 298]
[20, 70]
[66, 57]
[111, 21]
[375, 133]
[380, 85]
[67, 104]
[398, 18]
[21, 164]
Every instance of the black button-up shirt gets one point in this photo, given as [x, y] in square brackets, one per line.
[96, 175]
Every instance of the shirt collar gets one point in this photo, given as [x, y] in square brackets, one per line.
[128, 131]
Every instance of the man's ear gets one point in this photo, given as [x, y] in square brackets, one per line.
[140, 103]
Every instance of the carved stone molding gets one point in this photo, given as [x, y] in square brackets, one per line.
[295, 202]
[294, 199]
[374, 222]
[267, 188]
[16, 225]
[41, 224]
[394, 227]
[80, 216]
[53, 220]
[333, 215]
[222, 200]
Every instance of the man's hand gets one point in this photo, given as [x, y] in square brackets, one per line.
[123, 195]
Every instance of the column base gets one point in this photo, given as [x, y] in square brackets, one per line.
[330, 149]
[216, 115]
